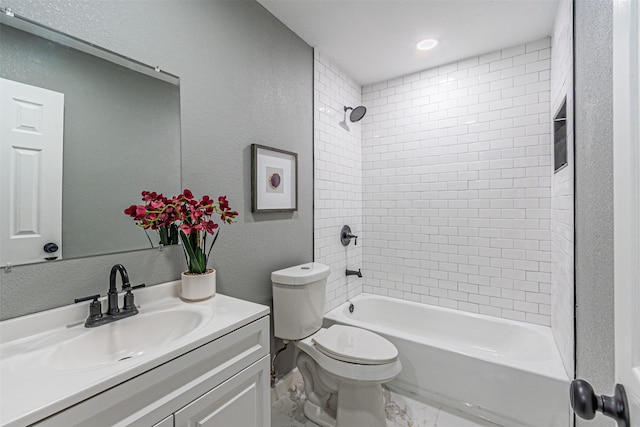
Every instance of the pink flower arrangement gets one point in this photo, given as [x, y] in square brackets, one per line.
[192, 218]
[158, 214]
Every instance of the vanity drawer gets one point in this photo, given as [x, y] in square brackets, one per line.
[152, 396]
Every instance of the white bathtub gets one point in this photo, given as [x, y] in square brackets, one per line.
[506, 372]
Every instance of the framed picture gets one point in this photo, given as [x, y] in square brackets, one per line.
[274, 179]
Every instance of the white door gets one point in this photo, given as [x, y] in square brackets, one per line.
[626, 189]
[624, 404]
[31, 132]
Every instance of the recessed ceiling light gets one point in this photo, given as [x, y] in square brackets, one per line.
[427, 44]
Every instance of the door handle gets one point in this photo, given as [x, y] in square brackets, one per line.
[586, 403]
[50, 248]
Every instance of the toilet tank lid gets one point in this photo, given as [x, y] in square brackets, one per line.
[301, 274]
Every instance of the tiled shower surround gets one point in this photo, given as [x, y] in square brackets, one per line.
[562, 224]
[448, 183]
[457, 185]
[337, 178]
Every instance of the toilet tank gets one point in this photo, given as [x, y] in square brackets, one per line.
[298, 300]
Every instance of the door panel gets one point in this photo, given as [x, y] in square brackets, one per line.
[31, 133]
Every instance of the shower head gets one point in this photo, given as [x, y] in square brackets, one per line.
[356, 113]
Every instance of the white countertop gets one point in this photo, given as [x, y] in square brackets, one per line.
[32, 388]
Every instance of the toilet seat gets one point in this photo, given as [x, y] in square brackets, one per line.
[355, 345]
[348, 370]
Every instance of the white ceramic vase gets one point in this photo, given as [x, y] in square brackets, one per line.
[198, 287]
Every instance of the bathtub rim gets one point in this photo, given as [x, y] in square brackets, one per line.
[552, 368]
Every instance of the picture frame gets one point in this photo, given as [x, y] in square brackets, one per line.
[274, 179]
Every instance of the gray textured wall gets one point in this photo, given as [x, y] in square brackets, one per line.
[245, 78]
[594, 197]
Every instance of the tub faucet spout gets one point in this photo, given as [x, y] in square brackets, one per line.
[353, 273]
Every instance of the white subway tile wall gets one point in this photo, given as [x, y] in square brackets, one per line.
[337, 178]
[457, 184]
[562, 209]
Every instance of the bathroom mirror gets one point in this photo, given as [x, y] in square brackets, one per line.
[118, 122]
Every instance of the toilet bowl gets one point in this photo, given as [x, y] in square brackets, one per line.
[343, 367]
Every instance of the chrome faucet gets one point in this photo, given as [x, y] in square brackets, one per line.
[96, 317]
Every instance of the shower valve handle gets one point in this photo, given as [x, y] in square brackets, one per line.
[346, 236]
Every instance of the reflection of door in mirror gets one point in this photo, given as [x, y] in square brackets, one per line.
[31, 134]
[121, 132]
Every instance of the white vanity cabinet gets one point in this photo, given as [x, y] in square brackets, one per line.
[239, 401]
[222, 383]
[167, 422]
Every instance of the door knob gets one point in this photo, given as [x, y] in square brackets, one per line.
[50, 248]
[586, 403]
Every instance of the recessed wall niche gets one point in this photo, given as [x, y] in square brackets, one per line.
[560, 137]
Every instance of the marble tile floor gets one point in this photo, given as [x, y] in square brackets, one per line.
[287, 399]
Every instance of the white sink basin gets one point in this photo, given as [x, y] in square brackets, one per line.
[50, 362]
[125, 339]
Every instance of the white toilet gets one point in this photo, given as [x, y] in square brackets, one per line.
[342, 366]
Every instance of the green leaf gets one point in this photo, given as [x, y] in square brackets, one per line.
[202, 261]
[173, 235]
[194, 260]
[164, 237]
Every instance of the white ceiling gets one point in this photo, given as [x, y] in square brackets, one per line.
[374, 40]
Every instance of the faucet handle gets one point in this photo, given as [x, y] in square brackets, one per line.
[95, 307]
[128, 288]
[93, 297]
[128, 298]
[346, 236]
